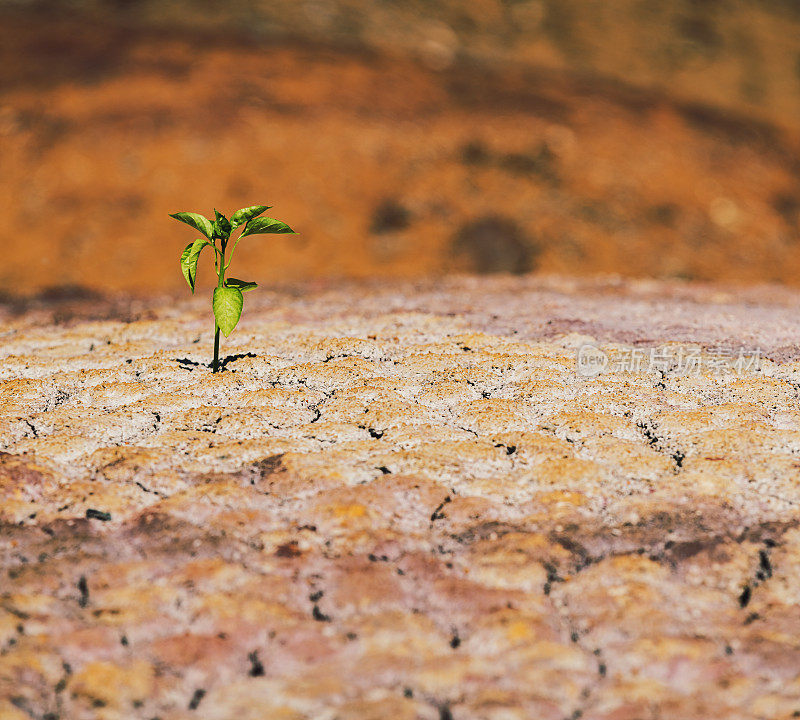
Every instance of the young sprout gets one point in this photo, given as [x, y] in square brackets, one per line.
[227, 300]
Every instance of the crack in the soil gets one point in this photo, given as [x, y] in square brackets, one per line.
[188, 364]
[763, 572]
[437, 514]
[648, 428]
[148, 490]
[33, 428]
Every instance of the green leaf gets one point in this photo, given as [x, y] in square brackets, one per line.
[242, 216]
[264, 225]
[222, 226]
[189, 260]
[227, 304]
[198, 222]
[243, 285]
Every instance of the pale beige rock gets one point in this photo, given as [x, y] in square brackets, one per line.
[425, 513]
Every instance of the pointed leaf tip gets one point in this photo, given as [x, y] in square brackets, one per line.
[189, 260]
[222, 226]
[242, 216]
[227, 304]
[266, 225]
[197, 221]
[243, 285]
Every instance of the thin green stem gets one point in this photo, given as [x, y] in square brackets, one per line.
[221, 270]
[215, 364]
[220, 283]
[235, 243]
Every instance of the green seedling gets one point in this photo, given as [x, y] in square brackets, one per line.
[227, 300]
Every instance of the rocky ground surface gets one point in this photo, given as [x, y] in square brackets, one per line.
[404, 502]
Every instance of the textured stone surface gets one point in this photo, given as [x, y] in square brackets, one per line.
[402, 502]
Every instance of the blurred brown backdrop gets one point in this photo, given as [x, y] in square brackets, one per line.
[401, 138]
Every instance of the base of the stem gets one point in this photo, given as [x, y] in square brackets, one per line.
[215, 364]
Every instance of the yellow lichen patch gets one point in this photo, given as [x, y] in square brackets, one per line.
[580, 425]
[572, 473]
[9, 712]
[557, 497]
[349, 511]
[114, 685]
[399, 708]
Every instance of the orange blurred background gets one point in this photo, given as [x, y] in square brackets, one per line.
[401, 138]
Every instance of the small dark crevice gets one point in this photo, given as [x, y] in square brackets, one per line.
[92, 514]
[147, 489]
[376, 434]
[316, 613]
[289, 549]
[762, 574]
[60, 398]
[648, 429]
[316, 408]
[648, 432]
[187, 364]
[582, 557]
[764, 571]
[468, 430]
[256, 666]
[61, 685]
[455, 640]
[83, 589]
[22, 703]
[22, 615]
[552, 577]
[746, 595]
[385, 470]
[437, 513]
[197, 697]
[320, 616]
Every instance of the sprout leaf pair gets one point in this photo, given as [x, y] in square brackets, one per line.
[227, 301]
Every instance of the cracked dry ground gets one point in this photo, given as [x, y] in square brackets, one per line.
[401, 502]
